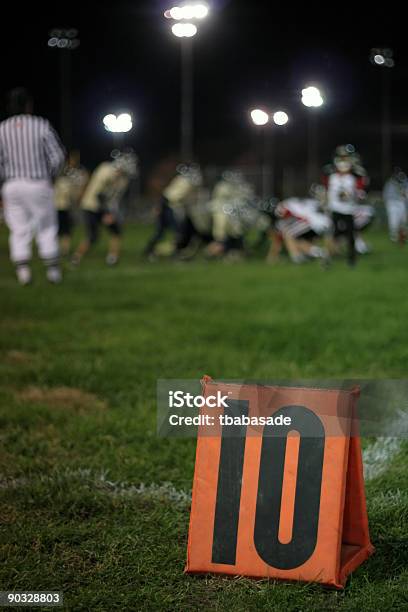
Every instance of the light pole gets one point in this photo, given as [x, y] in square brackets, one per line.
[312, 99]
[66, 40]
[118, 125]
[383, 58]
[184, 18]
[260, 119]
[281, 119]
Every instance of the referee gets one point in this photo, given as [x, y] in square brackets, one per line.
[30, 157]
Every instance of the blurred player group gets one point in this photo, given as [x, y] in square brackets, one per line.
[331, 217]
[42, 193]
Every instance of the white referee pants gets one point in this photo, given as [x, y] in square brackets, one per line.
[397, 217]
[29, 213]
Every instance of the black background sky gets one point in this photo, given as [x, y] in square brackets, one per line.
[246, 54]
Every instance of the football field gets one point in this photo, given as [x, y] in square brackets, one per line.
[93, 503]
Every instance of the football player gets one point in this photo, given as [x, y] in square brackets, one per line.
[346, 183]
[395, 195]
[101, 204]
[68, 190]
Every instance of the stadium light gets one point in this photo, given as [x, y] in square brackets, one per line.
[187, 11]
[185, 15]
[65, 40]
[311, 97]
[184, 30]
[259, 117]
[384, 58]
[280, 118]
[119, 124]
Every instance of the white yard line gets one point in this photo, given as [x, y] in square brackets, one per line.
[376, 459]
[380, 453]
[164, 491]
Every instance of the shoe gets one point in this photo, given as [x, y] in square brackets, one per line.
[298, 259]
[316, 252]
[75, 260]
[326, 261]
[233, 256]
[23, 275]
[362, 247]
[54, 275]
[112, 259]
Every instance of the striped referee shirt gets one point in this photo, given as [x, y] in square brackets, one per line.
[29, 148]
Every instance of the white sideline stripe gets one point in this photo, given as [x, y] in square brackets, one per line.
[378, 455]
[376, 459]
[164, 491]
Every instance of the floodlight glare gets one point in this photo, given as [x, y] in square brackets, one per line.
[280, 118]
[64, 39]
[184, 30]
[109, 119]
[124, 123]
[119, 124]
[382, 57]
[379, 59]
[259, 117]
[201, 11]
[176, 13]
[187, 12]
[311, 97]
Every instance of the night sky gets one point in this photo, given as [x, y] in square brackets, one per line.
[246, 54]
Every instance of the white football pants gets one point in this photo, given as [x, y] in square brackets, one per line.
[29, 213]
[397, 217]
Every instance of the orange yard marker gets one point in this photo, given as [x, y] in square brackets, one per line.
[284, 501]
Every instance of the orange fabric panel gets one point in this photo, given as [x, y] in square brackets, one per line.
[261, 484]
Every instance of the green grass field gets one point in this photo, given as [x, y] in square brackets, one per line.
[92, 502]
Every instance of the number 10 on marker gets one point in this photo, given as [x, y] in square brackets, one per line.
[280, 502]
